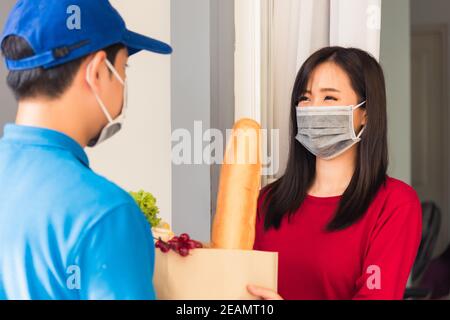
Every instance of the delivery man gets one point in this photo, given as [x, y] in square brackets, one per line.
[66, 232]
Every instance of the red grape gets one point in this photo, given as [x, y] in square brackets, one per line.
[181, 245]
[183, 251]
[198, 245]
[190, 244]
[174, 246]
[165, 248]
[184, 237]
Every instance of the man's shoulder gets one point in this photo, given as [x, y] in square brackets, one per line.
[93, 199]
[97, 189]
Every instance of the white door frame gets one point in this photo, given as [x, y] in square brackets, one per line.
[248, 59]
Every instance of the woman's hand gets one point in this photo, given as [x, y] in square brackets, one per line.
[263, 293]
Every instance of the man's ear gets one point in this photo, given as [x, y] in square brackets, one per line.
[95, 70]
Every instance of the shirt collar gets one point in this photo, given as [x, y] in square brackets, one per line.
[44, 137]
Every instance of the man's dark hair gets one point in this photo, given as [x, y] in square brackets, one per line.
[50, 83]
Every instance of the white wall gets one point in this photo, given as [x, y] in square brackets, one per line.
[395, 58]
[139, 157]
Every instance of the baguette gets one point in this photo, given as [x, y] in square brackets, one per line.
[239, 185]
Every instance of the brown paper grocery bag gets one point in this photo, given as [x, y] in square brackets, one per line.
[213, 274]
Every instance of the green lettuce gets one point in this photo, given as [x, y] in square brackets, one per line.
[147, 203]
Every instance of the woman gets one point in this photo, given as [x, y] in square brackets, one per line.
[343, 229]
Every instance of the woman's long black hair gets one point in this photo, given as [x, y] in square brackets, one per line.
[285, 196]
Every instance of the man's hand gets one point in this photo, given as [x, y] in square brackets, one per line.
[263, 293]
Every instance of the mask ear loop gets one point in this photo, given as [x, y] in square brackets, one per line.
[359, 105]
[99, 101]
[123, 83]
[114, 71]
[354, 137]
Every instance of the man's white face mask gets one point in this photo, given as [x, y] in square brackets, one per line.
[114, 125]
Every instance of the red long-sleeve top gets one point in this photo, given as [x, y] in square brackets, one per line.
[371, 259]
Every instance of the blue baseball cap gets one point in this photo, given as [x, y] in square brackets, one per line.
[60, 31]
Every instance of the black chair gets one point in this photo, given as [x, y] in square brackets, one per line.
[431, 223]
[436, 278]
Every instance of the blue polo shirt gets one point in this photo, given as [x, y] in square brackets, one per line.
[66, 232]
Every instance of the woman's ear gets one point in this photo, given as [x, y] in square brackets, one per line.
[95, 70]
[364, 117]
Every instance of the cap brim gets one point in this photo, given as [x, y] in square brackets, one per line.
[137, 42]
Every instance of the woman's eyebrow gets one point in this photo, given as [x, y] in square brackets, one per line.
[329, 90]
[324, 90]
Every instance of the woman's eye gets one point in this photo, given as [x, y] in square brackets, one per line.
[303, 98]
[330, 98]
